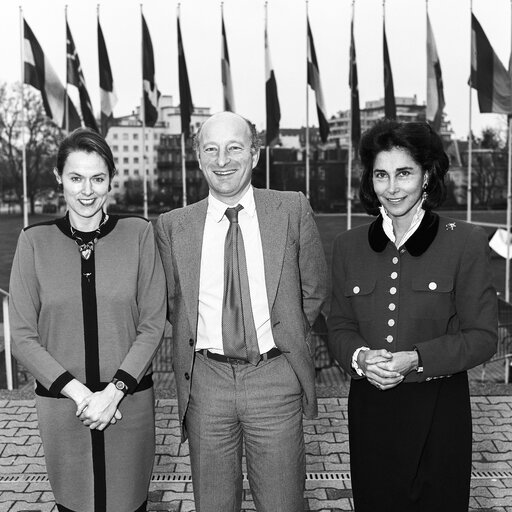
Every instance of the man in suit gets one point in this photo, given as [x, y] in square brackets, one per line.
[246, 278]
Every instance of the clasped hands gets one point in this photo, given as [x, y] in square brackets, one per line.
[95, 410]
[385, 369]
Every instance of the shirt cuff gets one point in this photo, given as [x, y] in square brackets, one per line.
[355, 366]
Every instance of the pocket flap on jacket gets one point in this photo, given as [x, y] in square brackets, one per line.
[355, 287]
[440, 284]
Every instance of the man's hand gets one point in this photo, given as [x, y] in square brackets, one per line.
[99, 409]
[373, 363]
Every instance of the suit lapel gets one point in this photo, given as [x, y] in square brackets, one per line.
[188, 246]
[273, 223]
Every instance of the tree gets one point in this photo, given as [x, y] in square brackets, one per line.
[42, 138]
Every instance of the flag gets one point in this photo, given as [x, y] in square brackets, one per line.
[355, 129]
[151, 92]
[389, 90]
[227, 84]
[272, 100]
[186, 105]
[107, 92]
[39, 73]
[488, 75]
[314, 83]
[435, 94]
[75, 77]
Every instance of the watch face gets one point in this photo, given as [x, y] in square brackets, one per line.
[120, 385]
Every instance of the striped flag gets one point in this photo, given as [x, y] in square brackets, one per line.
[435, 94]
[314, 83]
[107, 92]
[272, 100]
[227, 83]
[151, 92]
[355, 129]
[389, 90]
[488, 75]
[75, 77]
[186, 105]
[39, 73]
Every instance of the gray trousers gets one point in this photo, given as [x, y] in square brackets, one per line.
[259, 406]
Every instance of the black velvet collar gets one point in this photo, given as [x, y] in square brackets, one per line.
[417, 244]
[64, 225]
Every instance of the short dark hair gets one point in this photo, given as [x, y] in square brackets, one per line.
[88, 141]
[423, 145]
[255, 139]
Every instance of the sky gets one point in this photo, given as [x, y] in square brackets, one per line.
[244, 21]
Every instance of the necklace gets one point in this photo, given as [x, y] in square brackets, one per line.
[85, 248]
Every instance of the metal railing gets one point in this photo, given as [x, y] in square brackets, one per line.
[9, 376]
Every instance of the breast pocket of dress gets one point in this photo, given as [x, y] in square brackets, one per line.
[362, 299]
[432, 297]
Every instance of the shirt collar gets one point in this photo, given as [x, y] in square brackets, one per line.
[217, 209]
[387, 224]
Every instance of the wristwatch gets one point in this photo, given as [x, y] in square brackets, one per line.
[119, 384]
[419, 369]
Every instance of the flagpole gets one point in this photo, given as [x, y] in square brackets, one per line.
[349, 173]
[267, 148]
[509, 195]
[307, 110]
[143, 113]
[22, 119]
[470, 138]
[183, 154]
[66, 106]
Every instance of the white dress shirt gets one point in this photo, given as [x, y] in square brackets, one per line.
[211, 279]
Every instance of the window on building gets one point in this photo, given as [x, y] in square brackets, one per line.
[126, 172]
[136, 172]
[126, 160]
[135, 159]
[115, 136]
[125, 136]
[135, 136]
[115, 148]
[155, 136]
[116, 184]
[125, 148]
[116, 160]
[135, 148]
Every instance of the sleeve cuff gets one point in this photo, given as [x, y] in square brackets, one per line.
[59, 383]
[355, 366]
[131, 382]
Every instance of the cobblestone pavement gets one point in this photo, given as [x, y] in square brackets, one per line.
[24, 485]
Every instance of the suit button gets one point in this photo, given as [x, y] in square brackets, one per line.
[187, 376]
[191, 342]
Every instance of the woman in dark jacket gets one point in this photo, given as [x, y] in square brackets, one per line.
[412, 309]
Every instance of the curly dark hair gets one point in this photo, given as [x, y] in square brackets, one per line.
[423, 145]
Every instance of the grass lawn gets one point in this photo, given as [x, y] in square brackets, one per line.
[328, 225]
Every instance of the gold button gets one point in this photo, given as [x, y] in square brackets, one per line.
[391, 322]
[392, 307]
[389, 338]
[356, 289]
[395, 260]
[394, 275]
[392, 290]
[432, 285]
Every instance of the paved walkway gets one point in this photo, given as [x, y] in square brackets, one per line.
[24, 485]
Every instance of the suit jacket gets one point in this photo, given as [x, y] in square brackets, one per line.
[435, 293]
[295, 277]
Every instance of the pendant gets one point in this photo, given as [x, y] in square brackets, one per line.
[86, 253]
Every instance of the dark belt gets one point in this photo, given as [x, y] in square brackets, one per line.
[273, 352]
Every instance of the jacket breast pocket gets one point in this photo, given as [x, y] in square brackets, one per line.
[432, 297]
[360, 294]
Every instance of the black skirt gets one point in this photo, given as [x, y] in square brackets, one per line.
[410, 446]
